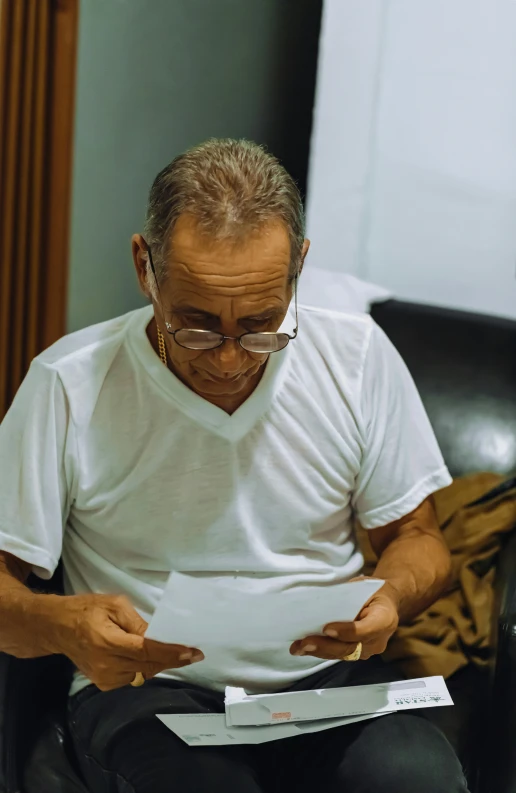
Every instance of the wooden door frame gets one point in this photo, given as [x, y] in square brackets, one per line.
[64, 37]
[38, 58]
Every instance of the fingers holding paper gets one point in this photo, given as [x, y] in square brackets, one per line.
[373, 628]
[103, 635]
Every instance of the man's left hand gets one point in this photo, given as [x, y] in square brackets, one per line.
[374, 626]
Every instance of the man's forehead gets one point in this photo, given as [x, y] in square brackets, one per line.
[252, 271]
[214, 297]
[252, 296]
[225, 280]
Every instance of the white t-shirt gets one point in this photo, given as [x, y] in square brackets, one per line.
[107, 459]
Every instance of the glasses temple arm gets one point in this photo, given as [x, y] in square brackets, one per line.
[295, 303]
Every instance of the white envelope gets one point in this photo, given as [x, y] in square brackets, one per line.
[202, 611]
[210, 729]
[243, 710]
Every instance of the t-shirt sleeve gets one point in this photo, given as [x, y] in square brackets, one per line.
[34, 487]
[401, 460]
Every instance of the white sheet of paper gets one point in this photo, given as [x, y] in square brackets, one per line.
[210, 729]
[331, 703]
[199, 611]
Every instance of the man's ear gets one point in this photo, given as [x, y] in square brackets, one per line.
[304, 251]
[141, 263]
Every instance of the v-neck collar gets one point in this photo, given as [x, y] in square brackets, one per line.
[232, 427]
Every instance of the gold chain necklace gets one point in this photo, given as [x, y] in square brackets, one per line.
[162, 348]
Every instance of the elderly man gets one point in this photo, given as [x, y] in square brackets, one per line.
[219, 432]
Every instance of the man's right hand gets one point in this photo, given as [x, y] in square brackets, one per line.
[104, 637]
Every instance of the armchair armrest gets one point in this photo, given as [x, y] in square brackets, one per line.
[7, 776]
[29, 690]
[499, 768]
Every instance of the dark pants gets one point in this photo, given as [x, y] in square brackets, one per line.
[122, 747]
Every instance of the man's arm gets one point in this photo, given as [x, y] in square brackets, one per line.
[415, 564]
[413, 560]
[102, 634]
[25, 617]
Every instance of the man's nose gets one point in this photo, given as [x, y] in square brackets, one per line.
[230, 357]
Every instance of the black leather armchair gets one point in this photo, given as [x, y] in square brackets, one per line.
[465, 368]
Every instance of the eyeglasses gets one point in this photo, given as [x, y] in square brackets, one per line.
[262, 343]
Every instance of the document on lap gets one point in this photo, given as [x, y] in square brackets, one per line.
[210, 729]
[202, 611]
[265, 717]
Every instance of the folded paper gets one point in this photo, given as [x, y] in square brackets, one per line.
[331, 703]
[210, 729]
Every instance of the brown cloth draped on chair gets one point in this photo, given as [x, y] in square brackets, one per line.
[37, 81]
[474, 512]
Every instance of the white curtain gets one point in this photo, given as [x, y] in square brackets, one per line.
[412, 179]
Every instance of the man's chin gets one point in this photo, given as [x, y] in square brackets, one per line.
[212, 387]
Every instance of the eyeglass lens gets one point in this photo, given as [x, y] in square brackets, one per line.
[252, 342]
[264, 342]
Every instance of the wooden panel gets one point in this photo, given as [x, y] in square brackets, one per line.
[22, 206]
[38, 40]
[60, 149]
[14, 18]
[35, 276]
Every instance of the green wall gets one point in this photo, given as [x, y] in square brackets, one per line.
[156, 76]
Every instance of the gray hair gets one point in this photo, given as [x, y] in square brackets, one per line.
[231, 188]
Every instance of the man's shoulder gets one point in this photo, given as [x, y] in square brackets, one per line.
[332, 317]
[331, 351]
[345, 331]
[82, 361]
[85, 348]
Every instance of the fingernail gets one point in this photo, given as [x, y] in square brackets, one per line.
[333, 634]
[197, 657]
